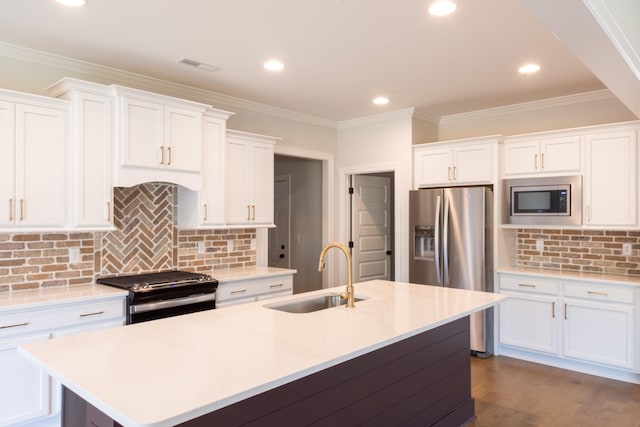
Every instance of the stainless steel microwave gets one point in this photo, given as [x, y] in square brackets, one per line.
[543, 201]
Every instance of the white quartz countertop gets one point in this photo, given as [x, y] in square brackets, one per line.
[37, 298]
[572, 275]
[256, 272]
[164, 372]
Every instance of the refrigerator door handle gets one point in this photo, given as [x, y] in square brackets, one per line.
[436, 242]
[445, 240]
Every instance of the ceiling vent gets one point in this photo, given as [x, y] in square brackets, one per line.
[198, 64]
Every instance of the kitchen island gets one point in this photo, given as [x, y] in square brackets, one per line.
[253, 364]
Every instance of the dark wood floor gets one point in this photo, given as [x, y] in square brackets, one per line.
[511, 392]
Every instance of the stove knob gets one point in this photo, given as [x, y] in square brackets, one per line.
[135, 287]
[145, 286]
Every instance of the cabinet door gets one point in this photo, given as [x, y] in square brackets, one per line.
[183, 139]
[41, 152]
[521, 157]
[24, 388]
[238, 182]
[262, 180]
[601, 333]
[530, 321]
[610, 182]
[141, 134]
[433, 167]
[473, 164]
[92, 175]
[559, 154]
[213, 172]
[7, 163]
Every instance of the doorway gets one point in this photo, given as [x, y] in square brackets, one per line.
[371, 230]
[298, 206]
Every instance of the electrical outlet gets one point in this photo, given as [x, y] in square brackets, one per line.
[229, 245]
[200, 247]
[626, 249]
[253, 244]
[74, 255]
[539, 245]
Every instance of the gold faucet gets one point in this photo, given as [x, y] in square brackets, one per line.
[348, 295]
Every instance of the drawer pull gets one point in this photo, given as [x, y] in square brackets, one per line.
[279, 285]
[240, 291]
[604, 294]
[95, 313]
[14, 326]
[526, 285]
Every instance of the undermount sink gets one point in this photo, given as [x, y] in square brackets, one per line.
[309, 305]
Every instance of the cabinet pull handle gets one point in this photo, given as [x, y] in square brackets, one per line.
[526, 285]
[253, 209]
[542, 161]
[14, 325]
[588, 213]
[95, 313]
[535, 161]
[248, 212]
[169, 156]
[604, 294]
[11, 209]
[162, 154]
[108, 211]
[455, 173]
[279, 285]
[21, 209]
[565, 311]
[241, 291]
[204, 212]
[553, 309]
[449, 173]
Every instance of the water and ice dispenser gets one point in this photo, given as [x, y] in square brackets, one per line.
[424, 245]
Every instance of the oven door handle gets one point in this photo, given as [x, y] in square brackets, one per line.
[177, 302]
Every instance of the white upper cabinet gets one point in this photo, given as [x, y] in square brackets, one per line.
[610, 179]
[533, 155]
[455, 162]
[249, 179]
[91, 167]
[33, 161]
[158, 138]
[205, 208]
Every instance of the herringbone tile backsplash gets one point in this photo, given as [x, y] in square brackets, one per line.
[145, 239]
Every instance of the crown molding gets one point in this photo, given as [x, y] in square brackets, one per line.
[127, 78]
[377, 118]
[426, 117]
[598, 95]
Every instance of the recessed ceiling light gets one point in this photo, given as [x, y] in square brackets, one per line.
[442, 7]
[529, 68]
[381, 100]
[274, 65]
[198, 64]
[72, 3]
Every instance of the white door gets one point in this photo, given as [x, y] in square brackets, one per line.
[371, 219]
[279, 237]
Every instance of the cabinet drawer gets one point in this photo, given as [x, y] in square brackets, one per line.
[537, 285]
[62, 316]
[599, 292]
[253, 287]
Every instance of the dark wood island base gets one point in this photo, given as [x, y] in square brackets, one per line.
[424, 380]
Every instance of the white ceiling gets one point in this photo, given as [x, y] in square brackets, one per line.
[338, 54]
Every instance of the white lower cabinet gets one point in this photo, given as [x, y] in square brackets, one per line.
[27, 393]
[585, 322]
[241, 291]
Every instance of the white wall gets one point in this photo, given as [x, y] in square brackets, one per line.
[377, 144]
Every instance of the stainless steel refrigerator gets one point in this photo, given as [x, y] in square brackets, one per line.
[452, 245]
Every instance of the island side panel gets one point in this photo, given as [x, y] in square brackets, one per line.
[422, 380]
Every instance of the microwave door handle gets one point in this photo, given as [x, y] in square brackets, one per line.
[436, 241]
[445, 242]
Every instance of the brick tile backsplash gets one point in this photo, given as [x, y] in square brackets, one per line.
[146, 239]
[592, 251]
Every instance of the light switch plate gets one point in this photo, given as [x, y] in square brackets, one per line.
[200, 247]
[229, 245]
